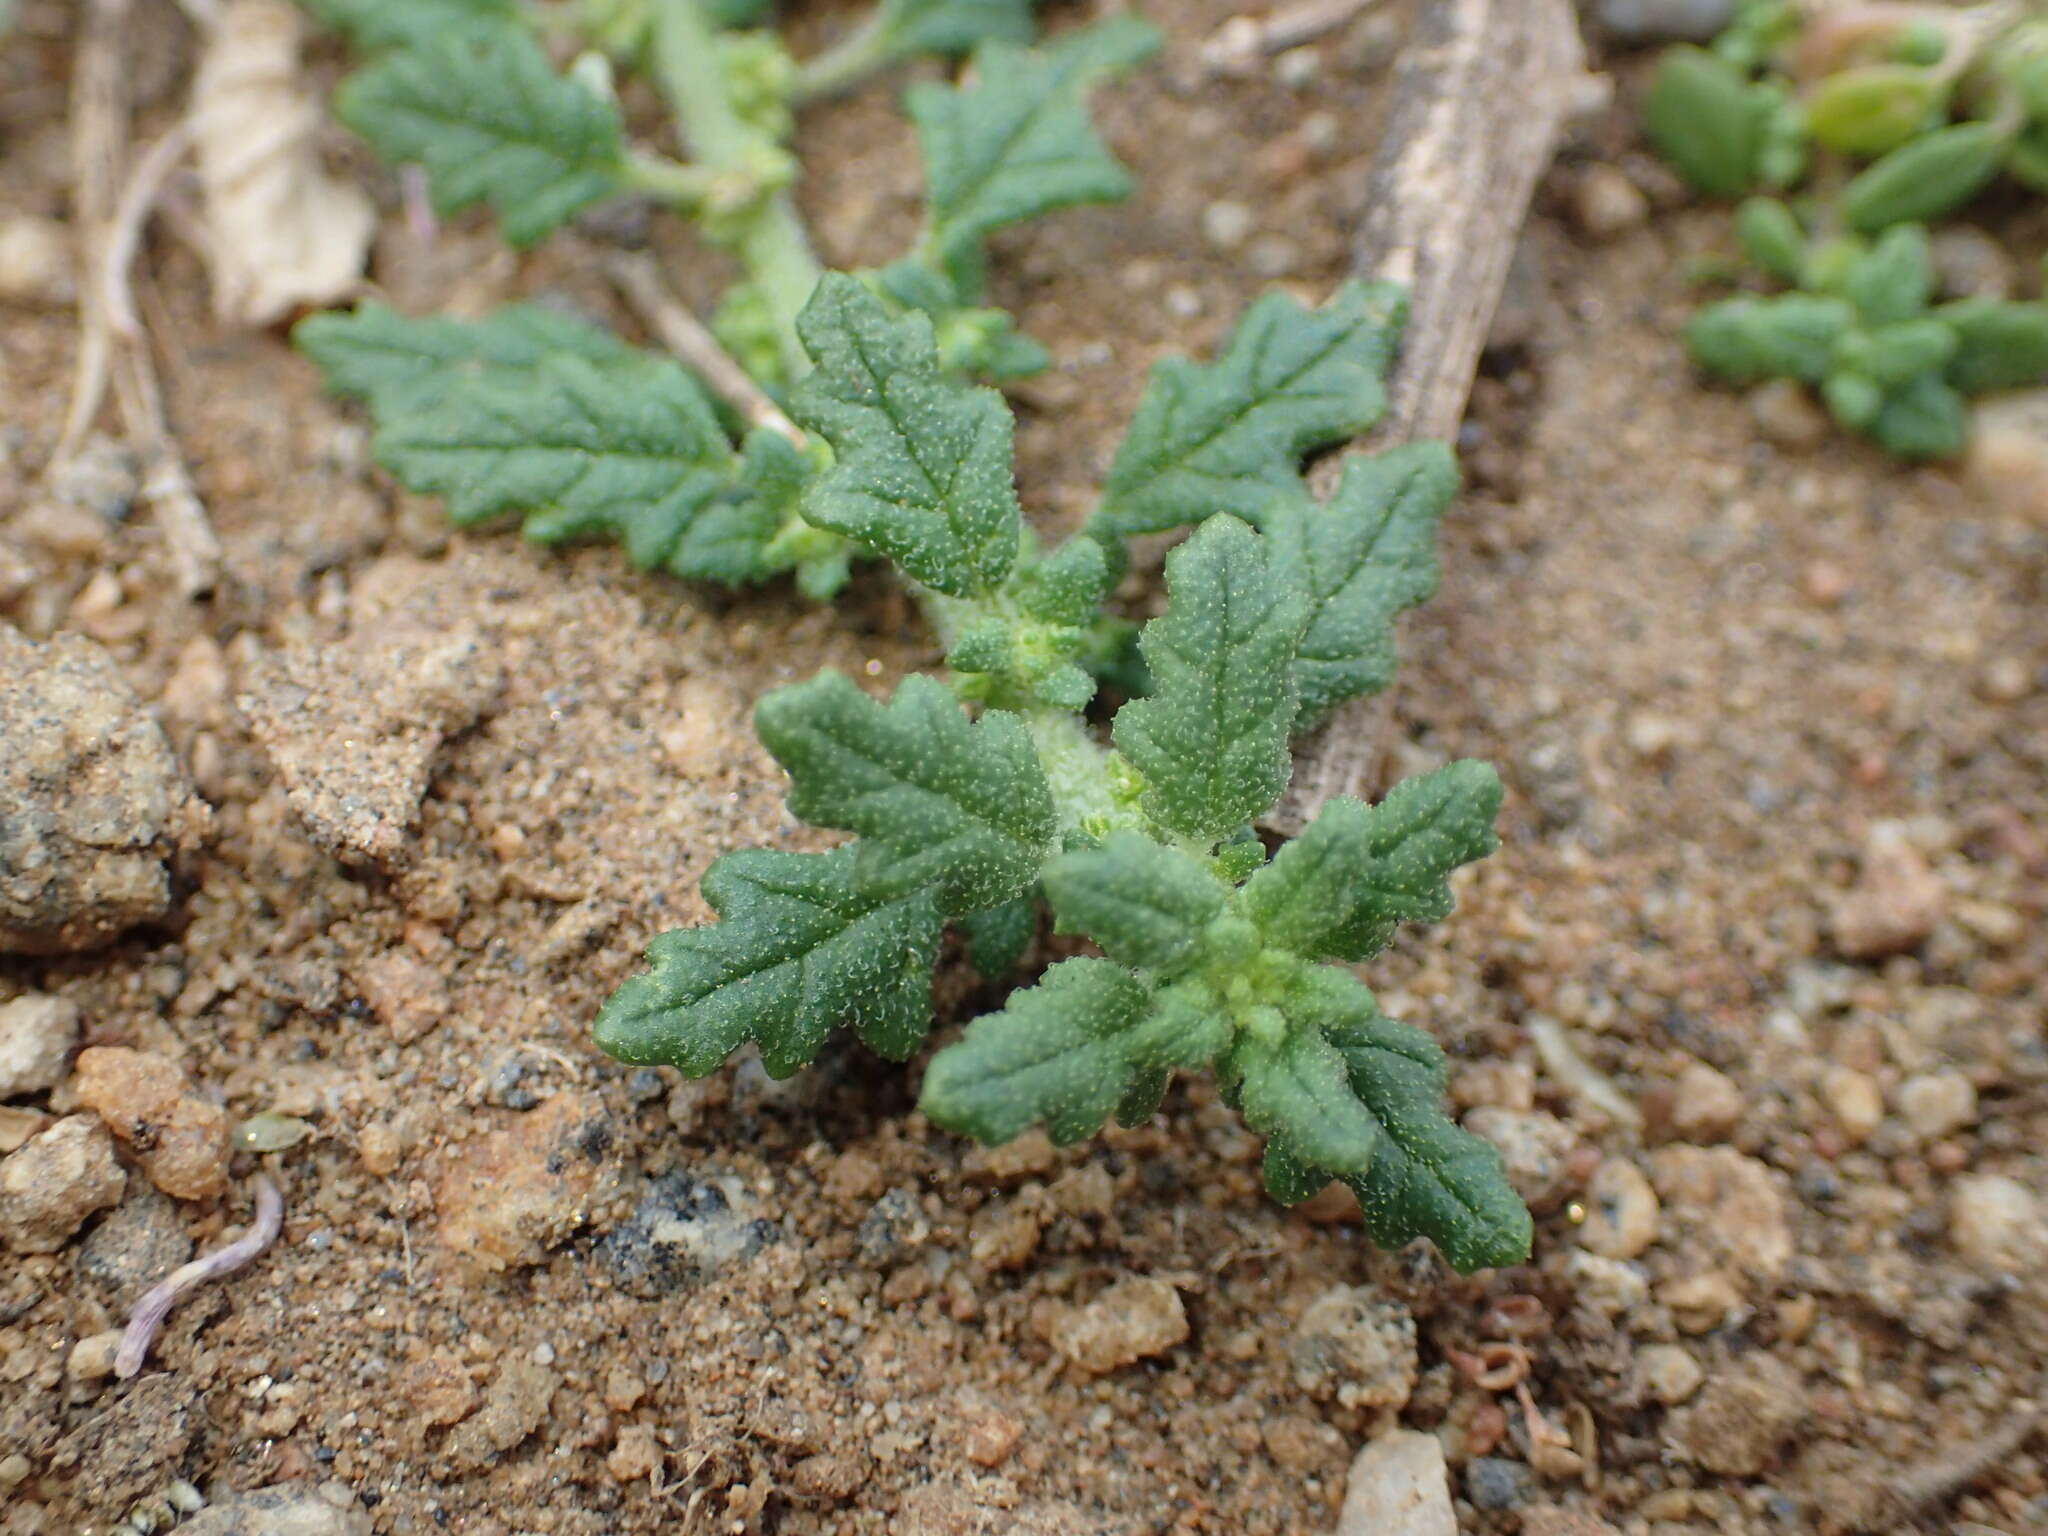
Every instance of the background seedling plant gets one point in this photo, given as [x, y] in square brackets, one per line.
[532, 413]
[1873, 118]
[1214, 955]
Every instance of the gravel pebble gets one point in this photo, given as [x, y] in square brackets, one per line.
[1605, 203]
[181, 1140]
[37, 1032]
[1937, 1104]
[506, 1198]
[1537, 1148]
[1740, 1418]
[1622, 1212]
[1355, 1348]
[1786, 414]
[1133, 1319]
[285, 1509]
[1896, 901]
[1970, 264]
[137, 1243]
[1399, 1487]
[1225, 225]
[684, 1231]
[1854, 1100]
[1995, 1223]
[398, 687]
[36, 262]
[1668, 1372]
[1706, 1104]
[1724, 1208]
[92, 1357]
[1495, 1483]
[512, 1409]
[91, 800]
[54, 1182]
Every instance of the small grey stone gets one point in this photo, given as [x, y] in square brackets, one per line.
[54, 1181]
[1356, 1349]
[684, 1230]
[140, 1241]
[893, 1226]
[1494, 1482]
[1398, 1487]
[36, 1034]
[91, 799]
[285, 1509]
[1664, 21]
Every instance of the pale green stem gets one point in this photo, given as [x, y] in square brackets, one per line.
[772, 244]
[1077, 769]
[846, 63]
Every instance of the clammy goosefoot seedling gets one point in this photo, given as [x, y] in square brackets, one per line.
[532, 412]
[972, 800]
[1873, 118]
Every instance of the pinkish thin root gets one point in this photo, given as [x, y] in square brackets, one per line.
[151, 1311]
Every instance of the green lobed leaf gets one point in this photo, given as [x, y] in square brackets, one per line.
[802, 949]
[951, 26]
[1428, 1178]
[1338, 891]
[1363, 557]
[1790, 336]
[1707, 120]
[1014, 144]
[490, 119]
[1894, 279]
[1925, 178]
[1924, 419]
[1772, 237]
[961, 806]
[923, 469]
[631, 449]
[735, 538]
[374, 353]
[1144, 903]
[998, 938]
[2000, 344]
[1873, 108]
[1296, 1091]
[1087, 1042]
[1211, 741]
[1226, 436]
[377, 24]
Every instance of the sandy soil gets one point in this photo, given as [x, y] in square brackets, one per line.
[1747, 702]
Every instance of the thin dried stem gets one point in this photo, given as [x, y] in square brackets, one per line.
[99, 132]
[637, 280]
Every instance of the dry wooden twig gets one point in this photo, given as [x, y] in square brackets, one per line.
[1482, 90]
[111, 345]
[635, 276]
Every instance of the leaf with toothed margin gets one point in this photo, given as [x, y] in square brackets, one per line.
[1364, 555]
[801, 949]
[1428, 1178]
[1296, 1092]
[1229, 435]
[1211, 740]
[376, 354]
[491, 120]
[1090, 1040]
[923, 467]
[1338, 891]
[959, 806]
[630, 449]
[374, 24]
[1144, 903]
[1016, 143]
